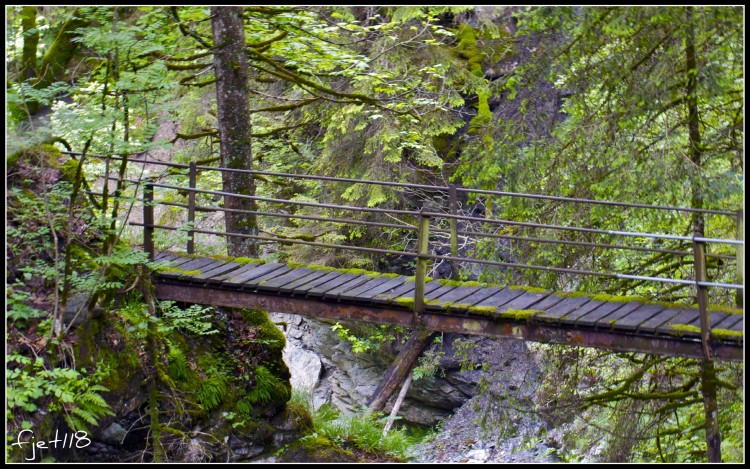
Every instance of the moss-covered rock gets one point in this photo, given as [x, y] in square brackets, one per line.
[316, 449]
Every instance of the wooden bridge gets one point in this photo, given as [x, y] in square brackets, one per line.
[603, 321]
[494, 311]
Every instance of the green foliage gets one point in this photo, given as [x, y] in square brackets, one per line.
[61, 390]
[213, 390]
[363, 430]
[428, 365]
[374, 336]
[267, 387]
[19, 312]
[195, 319]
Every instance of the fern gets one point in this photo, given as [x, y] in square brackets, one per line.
[267, 386]
[89, 407]
[213, 391]
[178, 365]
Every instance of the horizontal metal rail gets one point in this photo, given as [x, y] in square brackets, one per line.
[202, 208]
[583, 230]
[458, 217]
[581, 243]
[448, 258]
[428, 187]
[293, 202]
[282, 240]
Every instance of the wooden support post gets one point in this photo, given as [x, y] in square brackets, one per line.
[148, 220]
[397, 404]
[453, 198]
[419, 281]
[740, 257]
[708, 374]
[191, 208]
[402, 365]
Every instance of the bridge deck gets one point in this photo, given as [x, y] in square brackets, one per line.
[492, 311]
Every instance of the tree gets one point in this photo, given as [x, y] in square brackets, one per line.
[235, 131]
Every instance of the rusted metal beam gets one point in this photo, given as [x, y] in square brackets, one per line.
[475, 325]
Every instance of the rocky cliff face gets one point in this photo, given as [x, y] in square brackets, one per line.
[319, 361]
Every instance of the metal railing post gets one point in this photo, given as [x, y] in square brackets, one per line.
[453, 198]
[708, 374]
[148, 219]
[740, 257]
[421, 274]
[191, 208]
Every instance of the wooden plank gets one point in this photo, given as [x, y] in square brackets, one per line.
[525, 301]
[653, 323]
[166, 256]
[559, 309]
[686, 316]
[304, 288]
[254, 282]
[638, 316]
[331, 284]
[715, 319]
[406, 290]
[351, 284]
[500, 298]
[546, 304]
[258, 271]
[297, 285]
[162, 254]
[396, 292]
[356, 292]
[474, 298]
[222, 269]
[180, 261]
[389, 285]
[194, 264]
[276, 283]
[586, 314]
[245, 268]
[458, 294]
[438, 292]
[577, 314]
[609, 321]
[737, 325]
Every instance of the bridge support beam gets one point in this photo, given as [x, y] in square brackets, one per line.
[401, 366]
[434, 321]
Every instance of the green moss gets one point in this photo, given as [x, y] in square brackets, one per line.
[719, 333]
[266, 330]
[520, 314]
[682, 329]
[315, 448]
[177, 270]
[247, 260]
[725, 309]
[483, 310]
[323, 268]
[458, 283]
[570, 294]
[405, 301]
[527, 289]
[469, 50]
[413, 278]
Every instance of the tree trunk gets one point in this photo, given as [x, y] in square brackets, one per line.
[231, 70]
[401, 366]
[708, 373]
[30, 43]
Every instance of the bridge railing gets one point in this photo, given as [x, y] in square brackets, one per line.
[422, 227]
